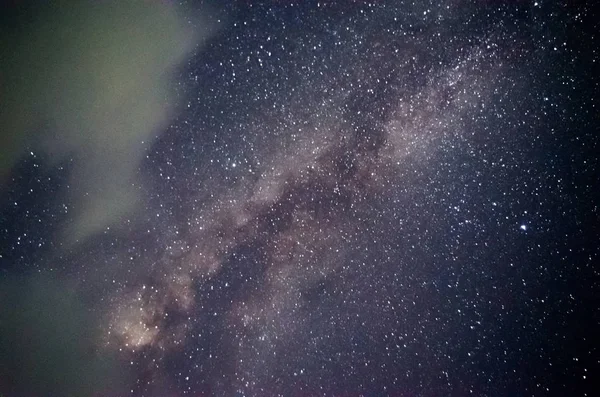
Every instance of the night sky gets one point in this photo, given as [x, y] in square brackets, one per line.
[281, 198]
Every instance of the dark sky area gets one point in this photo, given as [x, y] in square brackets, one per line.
[299, 198]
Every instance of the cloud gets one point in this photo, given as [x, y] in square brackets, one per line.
[90, 85]
[47, 341]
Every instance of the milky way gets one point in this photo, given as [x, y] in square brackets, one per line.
[352, 198]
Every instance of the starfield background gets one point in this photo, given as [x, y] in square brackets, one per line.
[299, 198]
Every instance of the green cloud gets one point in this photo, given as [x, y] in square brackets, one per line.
[48, 341]
[91, 81]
